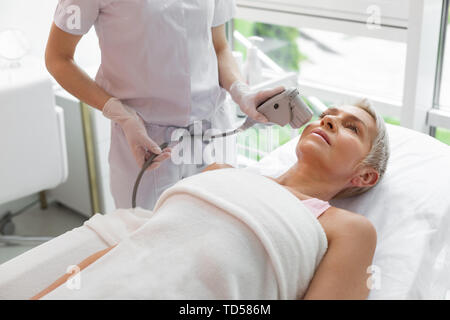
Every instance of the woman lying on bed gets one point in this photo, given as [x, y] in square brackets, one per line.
[342, 154]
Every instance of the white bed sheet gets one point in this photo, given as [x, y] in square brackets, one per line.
[410, 209]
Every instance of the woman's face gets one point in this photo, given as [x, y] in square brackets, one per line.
[337, 141]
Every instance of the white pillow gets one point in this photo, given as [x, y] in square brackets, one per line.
[410, 208]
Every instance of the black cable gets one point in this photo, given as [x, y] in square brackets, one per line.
[245, 125]
[144, 167]
[248, 123]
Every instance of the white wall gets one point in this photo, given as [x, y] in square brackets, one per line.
[34, 18]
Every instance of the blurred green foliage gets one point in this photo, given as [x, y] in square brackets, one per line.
[391, 120]
[257, 137]
[288, 56]
[443, 135]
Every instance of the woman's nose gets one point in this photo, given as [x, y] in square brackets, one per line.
[328, 122]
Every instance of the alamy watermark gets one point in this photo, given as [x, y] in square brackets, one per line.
[373, 22]
[374, 281]
[74, 280]
[195, 146]
[73, 21]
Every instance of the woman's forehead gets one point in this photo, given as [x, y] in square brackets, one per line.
[362, 114]
[358, 112]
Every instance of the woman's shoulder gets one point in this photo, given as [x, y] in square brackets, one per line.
[338, 222]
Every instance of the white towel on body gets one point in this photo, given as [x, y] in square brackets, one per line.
[31, 272]
[223, 234]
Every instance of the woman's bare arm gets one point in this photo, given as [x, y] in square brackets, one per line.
[82, 265]
[216, 166]
[228, 68]
[342, 273]
[59, 59]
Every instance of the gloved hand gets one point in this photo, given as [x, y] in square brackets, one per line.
[248, 100]
[136, 134]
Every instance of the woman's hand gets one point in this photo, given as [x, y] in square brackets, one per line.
[136, 134]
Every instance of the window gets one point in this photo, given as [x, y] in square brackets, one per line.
[444, 99]
[443, 135]
[344, 63]
[280, 43]
[360, 65]
[326, 61]
[441, 113]
[341, 50]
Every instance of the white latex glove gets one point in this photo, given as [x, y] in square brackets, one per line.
[248, 100]
[134, 129]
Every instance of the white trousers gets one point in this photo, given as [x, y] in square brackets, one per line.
[124, 169]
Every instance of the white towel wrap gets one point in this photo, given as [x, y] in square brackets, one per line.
[223, 234]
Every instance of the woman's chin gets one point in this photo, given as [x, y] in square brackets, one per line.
[310, 147]
[310, 152]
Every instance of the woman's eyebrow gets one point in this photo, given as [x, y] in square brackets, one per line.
[335, 111]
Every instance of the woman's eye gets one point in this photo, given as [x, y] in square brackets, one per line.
[352, 127]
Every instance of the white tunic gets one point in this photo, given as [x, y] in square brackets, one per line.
[157, 56]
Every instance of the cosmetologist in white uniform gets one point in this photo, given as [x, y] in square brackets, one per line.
[165, 64]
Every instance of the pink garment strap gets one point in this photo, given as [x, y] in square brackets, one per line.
[316, 206]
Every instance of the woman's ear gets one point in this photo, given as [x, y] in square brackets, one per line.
[366, 178]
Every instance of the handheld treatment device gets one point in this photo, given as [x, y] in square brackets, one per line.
[284, 108]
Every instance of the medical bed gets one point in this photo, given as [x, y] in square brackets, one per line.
[410, 209]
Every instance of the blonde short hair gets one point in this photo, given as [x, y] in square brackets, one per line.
[378, 155]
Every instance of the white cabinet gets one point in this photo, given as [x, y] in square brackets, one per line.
[87, 134]
[75, 192]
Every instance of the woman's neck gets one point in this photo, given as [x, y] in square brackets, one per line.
[303, 180]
